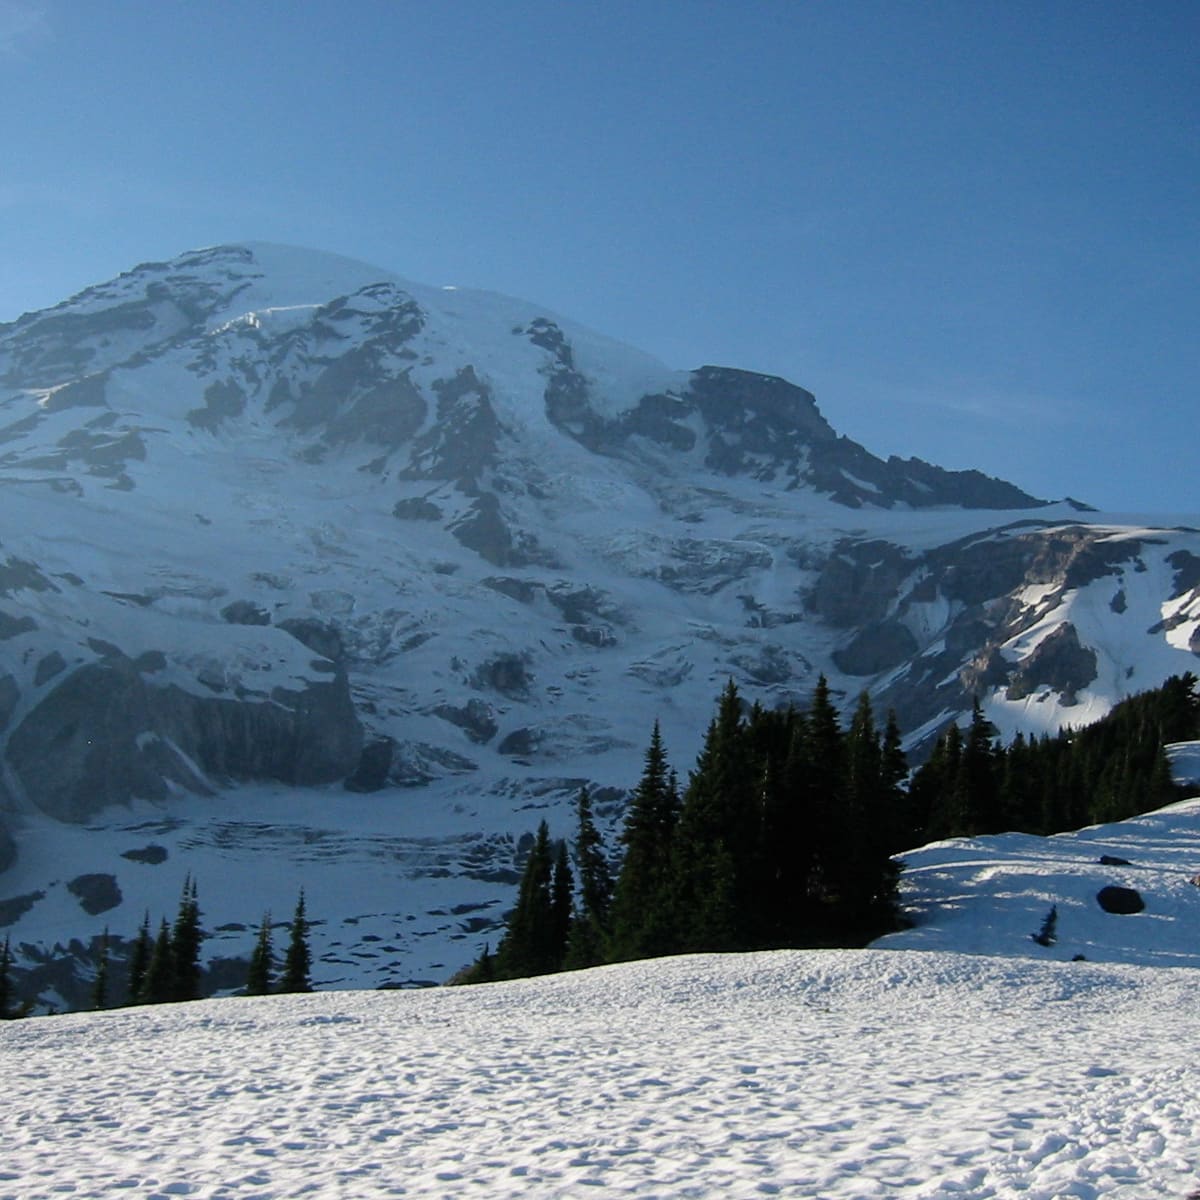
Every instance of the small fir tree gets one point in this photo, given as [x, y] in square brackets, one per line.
[562, 889]
[158, 982]
[589, 930]
[139, 960]
[1047, 935]
[100, 983]
[6, 985]
[262, 961]
[530, 945]
[185, 945]
[641, 923]
[297, 960]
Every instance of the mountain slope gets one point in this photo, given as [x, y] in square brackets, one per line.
[299, 561]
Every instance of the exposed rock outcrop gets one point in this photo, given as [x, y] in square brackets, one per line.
[107, 733]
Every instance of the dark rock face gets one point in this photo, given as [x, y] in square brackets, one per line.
[1121, 901]
[464, 441]
[371, 774]
[11, 627]
[475, 719]
[15, 907]
[222, 399]
[417, 509]
[16, 574]
[1059, 662]
[96, 893]
[507, 674]
[858, 583]
[106, 734]
[520, 742]
[417, 763]
[245, 612]
[879, 647]
[10, 695]
[485, 530]
[49, 666]
[8, 847]
[152, 855]
[319, 637]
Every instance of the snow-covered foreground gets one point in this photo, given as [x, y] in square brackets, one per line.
[816, 1074]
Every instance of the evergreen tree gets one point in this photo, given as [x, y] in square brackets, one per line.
[893, 772]
[139, 961]
[297, 960]
[978, 782]
[262, 961]
[864, 875]
[562, 891]
[641, 919]
[589, 930]
[185, 945]
[6, 984]
[936, 789]
[714, 862]
[530, 945]
[100, 984]
[790, 846]
[486, 966]
[825, 767]
[1047, 935]
[157, 983]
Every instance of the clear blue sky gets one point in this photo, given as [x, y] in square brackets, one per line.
[972, 228]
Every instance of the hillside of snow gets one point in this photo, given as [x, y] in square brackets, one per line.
[832, 1074]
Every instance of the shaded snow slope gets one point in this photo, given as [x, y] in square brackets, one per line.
[832, 1074]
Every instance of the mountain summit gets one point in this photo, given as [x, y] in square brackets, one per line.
[297, 553]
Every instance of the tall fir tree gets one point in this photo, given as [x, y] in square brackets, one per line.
[531, 945]
[641, 918]
[562, 897]
[158, 982]
[978, 783]
[186, 938]
[297, 959]
[715, 865]
[586, 946]
[139, 961]
[788, 839]
[100, 983]
[826, 768]
[262, 961]
[6, 981]
[893, 773]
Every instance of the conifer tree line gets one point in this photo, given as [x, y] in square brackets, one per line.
[786, 832]
[1114, 769]
[783, 836]
[163, 964]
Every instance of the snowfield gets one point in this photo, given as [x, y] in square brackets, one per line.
[1010, 1071]
[807, 1074]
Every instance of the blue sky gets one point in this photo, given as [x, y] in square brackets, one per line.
[972, 229]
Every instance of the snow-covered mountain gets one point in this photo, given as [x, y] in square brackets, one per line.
[310, 575]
